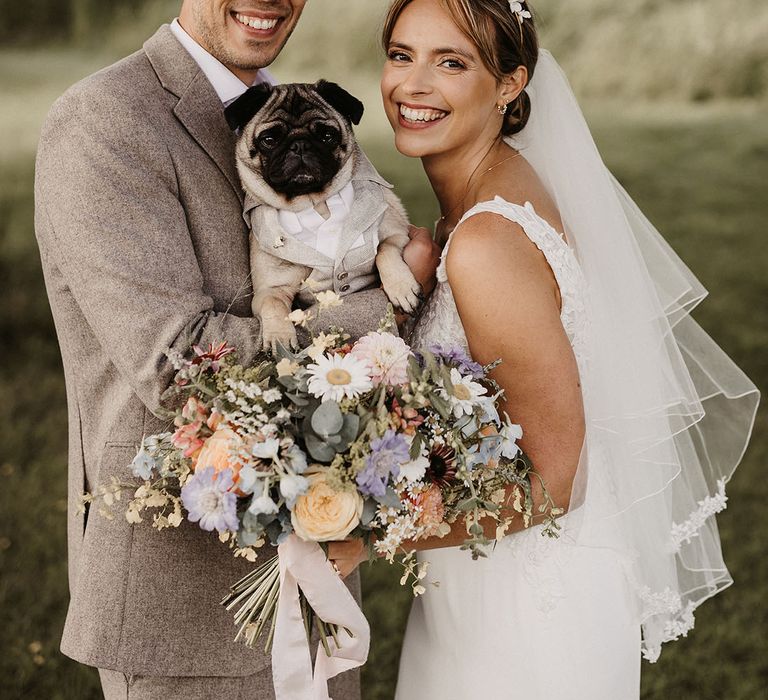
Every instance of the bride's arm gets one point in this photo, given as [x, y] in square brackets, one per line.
[509, 305]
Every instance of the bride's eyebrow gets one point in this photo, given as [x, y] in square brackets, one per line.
[437, 52]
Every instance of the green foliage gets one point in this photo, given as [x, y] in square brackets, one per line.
[41, 21]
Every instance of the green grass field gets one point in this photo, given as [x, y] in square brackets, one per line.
[699, 172]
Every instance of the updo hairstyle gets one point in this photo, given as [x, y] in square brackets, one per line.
[503, 42]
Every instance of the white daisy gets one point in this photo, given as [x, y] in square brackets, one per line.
[465, 394]
[338, 376]
[414, 470]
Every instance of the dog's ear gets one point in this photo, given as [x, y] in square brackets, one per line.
[243, 109]
[344, 103]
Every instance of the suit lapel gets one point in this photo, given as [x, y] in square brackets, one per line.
[283, 245]
[199, 108]
[367, 208]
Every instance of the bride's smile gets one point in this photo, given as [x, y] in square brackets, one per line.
[438, 95]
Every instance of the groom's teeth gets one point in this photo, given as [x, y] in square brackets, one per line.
[421, 115]
[255, 22]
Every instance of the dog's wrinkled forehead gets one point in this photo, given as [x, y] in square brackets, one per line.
[296, 107]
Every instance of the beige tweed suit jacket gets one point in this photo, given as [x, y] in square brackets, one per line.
[141, 234]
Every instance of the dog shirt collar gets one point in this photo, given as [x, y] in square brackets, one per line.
[313, 230]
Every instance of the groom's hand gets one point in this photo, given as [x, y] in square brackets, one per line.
[422, 255]
[347, 555]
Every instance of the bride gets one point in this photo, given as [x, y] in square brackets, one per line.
[633, 417]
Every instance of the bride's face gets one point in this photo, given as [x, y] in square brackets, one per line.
[438, 94]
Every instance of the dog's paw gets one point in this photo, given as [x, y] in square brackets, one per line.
[279, 333]
[403, 291]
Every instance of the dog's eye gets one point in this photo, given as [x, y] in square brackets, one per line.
[327, 134]
[268, 139]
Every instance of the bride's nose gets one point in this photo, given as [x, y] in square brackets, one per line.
[417, 81]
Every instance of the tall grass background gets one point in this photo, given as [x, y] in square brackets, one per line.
[677, 95]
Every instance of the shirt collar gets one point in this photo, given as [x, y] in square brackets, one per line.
[226, 84]
[308, 220]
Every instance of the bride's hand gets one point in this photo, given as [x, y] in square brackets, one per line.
[422, 255]
[347, 555]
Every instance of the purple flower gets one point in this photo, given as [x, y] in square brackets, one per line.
[208, 499]
[387, 454]
[456, 357]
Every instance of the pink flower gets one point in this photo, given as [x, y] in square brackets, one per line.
[386, 355]
[432, 508]
[213, 354]
[187, 438]
[194, 410]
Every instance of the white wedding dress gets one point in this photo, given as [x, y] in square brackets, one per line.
[538, 618]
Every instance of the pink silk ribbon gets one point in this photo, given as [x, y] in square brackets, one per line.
[304, 565]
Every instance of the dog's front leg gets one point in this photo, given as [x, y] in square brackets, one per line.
[396, 277]
[275, 285]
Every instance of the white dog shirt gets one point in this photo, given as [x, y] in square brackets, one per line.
[309, 227]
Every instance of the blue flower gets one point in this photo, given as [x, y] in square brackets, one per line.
[296, 458]
[291, 487]
[387, 454]
[208, 499]
[456, 357]
[489, 450]
[143, 464]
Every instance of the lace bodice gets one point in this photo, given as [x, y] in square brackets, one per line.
[440, 324]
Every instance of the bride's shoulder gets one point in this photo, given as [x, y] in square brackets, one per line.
[518, 184]
[489, 252]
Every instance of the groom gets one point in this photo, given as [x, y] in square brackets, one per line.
[144, 248]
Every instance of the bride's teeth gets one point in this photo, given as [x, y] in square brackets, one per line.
[255, 22]
[421, 115]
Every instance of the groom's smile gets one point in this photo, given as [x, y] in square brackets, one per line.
[244, 36]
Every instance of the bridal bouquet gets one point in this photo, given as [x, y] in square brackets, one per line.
[339, 440]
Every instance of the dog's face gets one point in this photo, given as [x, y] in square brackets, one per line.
[296, 142]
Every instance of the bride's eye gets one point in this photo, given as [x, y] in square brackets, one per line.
[453, 63]
[398, 56]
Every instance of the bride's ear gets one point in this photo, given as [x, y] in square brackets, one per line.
[513, 84]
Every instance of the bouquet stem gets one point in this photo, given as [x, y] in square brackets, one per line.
[257, 595]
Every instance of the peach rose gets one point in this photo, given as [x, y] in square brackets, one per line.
[217, 450]
[323, 514]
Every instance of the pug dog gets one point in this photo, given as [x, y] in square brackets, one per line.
[321, 217]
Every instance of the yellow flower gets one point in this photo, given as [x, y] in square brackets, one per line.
[323, 514]
[286, 367]
[328, 299]
[299, 317]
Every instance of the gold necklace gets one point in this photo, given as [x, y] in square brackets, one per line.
[469, 181]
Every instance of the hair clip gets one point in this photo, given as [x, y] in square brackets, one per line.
[517, 9]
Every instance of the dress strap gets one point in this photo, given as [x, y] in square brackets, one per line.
[546, 238]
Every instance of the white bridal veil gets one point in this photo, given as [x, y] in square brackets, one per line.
[668, 414]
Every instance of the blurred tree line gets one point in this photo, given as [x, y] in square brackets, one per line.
[43, 21]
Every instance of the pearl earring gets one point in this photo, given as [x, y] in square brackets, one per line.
[502, 108]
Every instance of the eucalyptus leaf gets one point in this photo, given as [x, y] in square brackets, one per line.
[327, 419]
[390, 499]
[319, 450]
[369, 512]
[350, 428]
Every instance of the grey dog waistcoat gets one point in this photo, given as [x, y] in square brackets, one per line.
[354, 266]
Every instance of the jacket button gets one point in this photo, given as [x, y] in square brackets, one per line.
[345, 288]
[343, 275]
